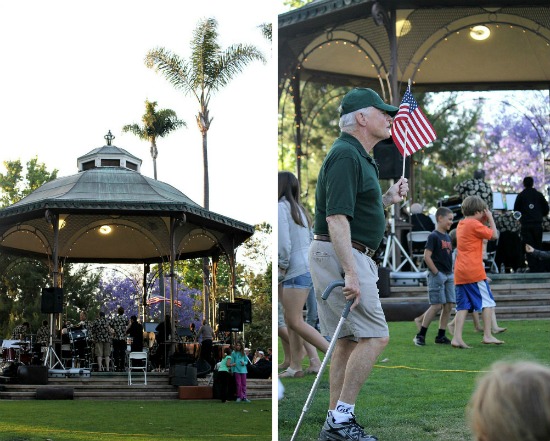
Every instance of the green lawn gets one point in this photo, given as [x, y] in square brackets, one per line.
[169, 420]
[417, 393]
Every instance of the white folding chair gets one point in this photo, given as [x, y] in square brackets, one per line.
[417, 241]
[141, 358]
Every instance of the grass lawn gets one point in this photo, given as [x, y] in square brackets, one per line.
[140, 420]
[417, 393]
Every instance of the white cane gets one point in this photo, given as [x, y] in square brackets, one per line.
[333, 341]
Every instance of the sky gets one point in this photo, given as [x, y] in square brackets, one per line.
[72, 71]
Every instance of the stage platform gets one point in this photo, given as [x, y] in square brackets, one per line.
[518, 296]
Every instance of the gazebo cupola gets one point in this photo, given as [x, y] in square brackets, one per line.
[108, 156]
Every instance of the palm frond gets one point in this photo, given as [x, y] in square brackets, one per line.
[266, 29]
[231, 62]
[140, 132]
[175, 69]
[204, 50]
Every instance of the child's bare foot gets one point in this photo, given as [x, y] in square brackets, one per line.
[451, 328]
[459, 345]
[476, 329]
[492, 341]
[284, 365]
[498, 330]
[418, 323]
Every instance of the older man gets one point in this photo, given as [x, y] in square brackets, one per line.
[349, 226]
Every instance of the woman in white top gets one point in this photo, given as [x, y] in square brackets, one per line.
[294, 239]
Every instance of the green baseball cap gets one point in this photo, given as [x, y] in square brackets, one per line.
[360, 97]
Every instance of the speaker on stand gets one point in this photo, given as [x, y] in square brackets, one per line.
[247, 309]
[230, 317]
[51, 303]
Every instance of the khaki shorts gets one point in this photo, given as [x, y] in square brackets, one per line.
[103, 349]
[367, 319]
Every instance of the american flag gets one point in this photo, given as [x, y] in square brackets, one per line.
[411, 130]
[157, 299]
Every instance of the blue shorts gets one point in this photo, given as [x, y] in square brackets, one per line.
[303, 281]
[474, 296]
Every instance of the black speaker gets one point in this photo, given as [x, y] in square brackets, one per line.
[390, 160]
[247, 309]
[52, 301]
[230, 317]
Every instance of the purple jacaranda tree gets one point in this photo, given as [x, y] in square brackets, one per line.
[515, 145]
[118, 289]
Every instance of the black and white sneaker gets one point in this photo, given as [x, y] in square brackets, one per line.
[443, 340]
[419, 340]
[349, 430]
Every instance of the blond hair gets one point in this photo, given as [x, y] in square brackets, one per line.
[473, 204]
[512, 402]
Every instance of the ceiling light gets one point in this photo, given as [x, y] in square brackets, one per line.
[105, 229]
[402, 27]
[480, 32]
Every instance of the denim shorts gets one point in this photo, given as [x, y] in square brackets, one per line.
[303, 281]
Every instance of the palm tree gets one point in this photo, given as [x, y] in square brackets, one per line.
[208, 70]
[156, 124]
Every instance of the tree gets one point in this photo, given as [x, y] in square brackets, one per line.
[156, 124]
[208, 70]
[14, 185]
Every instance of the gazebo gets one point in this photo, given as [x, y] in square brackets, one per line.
[110, 213]
[440, 45]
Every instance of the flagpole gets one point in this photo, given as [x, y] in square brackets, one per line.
[405, 143]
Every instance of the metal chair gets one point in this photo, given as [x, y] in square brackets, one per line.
[417, 242]
[141, 365]
[489, 261]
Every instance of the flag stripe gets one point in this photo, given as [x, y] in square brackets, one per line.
[411, 130]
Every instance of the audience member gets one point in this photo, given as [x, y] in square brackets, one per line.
[224, 374]
[512, 403]
[293, 245]
[239, 362]
[420, 221]
[472, 289]
[441, 290]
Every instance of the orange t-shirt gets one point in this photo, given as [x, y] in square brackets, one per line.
[469, 266]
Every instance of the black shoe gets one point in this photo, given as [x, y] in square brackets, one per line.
[419, 340]
[443, 340]
[349, 430]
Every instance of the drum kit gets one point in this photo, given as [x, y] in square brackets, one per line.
[77, 347]
[15, 351]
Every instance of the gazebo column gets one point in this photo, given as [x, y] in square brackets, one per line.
[214, 291]
[173, 225]
[295, 84]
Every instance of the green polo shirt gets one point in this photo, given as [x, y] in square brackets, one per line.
[348, 184]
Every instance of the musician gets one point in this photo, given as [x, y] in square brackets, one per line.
[191, 338]
[135, 331]
[21, 332]
[43, 334]
[206, 333]
[162, 336]
[119, 324]
[102, 337]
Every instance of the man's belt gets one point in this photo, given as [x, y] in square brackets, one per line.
[357, 245]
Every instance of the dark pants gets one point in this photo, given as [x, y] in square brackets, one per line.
[224, 379]
[532, 235]
[119, 353]
[206, 351]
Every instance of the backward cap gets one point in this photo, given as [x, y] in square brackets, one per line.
[359, 98]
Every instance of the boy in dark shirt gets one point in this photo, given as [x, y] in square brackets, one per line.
[438, 256]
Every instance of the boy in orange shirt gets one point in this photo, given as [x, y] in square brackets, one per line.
[472, 289]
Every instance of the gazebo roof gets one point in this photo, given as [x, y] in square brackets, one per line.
[137, 210]
[348, 42]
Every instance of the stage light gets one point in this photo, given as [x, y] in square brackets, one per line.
[480, 32]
